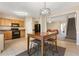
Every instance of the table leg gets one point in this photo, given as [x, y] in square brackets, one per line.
[42, 47]
[28, 45]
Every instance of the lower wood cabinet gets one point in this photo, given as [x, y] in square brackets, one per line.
[7, 35]
[5, 22]
[22, 33]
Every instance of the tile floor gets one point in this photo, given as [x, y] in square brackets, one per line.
[16, 46]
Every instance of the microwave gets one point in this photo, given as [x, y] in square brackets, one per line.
[14, 25]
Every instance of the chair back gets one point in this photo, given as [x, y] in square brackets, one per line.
[53, 31]
[53, 34]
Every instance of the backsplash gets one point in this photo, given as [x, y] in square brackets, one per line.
[5, 28]
[9, 28]
[20, 28]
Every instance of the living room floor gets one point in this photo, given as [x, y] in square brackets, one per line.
[16, 46]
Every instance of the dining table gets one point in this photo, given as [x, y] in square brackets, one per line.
[42, 37]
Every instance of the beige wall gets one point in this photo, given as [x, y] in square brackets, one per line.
[53, 25]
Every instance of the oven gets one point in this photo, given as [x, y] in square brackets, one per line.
[15, 30]
[15, 34]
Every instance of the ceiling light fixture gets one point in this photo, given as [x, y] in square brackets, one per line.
[45, 11]
[49, 21]
[21, 13]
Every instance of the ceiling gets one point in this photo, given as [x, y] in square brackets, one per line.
[32, 8]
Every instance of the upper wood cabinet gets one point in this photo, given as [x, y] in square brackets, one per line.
[14, 21]
[21, 22]
[7, 22]
[1, 21]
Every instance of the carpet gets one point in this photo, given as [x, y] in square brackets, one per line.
[49, 51]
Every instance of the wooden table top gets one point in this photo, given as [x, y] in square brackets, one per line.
[44, 36]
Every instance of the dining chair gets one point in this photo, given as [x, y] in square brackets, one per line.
[53, 40]
[36, 43]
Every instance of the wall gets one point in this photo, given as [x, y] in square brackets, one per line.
[53, 25]
[28, 25]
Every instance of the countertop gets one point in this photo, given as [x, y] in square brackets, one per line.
[1, 32]
[10, 30]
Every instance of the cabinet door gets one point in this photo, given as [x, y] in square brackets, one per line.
[21, 22]
[22, 33]
[1, 22]
[13, 21]
[5, 22]
[8, 35]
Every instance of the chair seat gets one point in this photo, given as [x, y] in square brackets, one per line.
[36, 41]
[50, 39]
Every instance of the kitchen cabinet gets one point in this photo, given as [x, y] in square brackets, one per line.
[1, 21]
[22, 33]
[5, 22]
[21, 22]
[7, 35]
[1, 42]
[14, 21]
